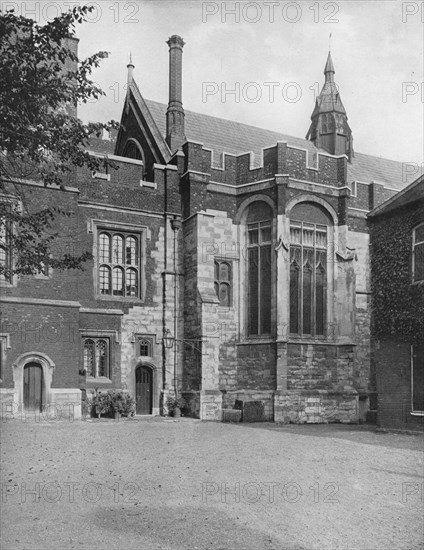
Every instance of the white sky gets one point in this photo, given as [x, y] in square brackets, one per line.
[377, 49]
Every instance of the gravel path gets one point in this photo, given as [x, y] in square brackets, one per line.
[185, 485]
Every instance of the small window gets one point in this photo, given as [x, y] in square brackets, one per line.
[418, 254]
[145, 347]
[96, 357]
[223, 282]
[417, 382]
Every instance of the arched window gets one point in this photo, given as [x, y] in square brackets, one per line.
[259, 235]
[418, 254]
[309, 224]
[131, 151]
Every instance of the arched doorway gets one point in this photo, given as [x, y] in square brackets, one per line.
[33, 386]
[144, 389]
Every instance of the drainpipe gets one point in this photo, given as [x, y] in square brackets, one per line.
[176, 226]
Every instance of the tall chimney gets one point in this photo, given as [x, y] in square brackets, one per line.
[175, 135]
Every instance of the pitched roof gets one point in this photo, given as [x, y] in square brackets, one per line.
[222, 135]
[412, 193]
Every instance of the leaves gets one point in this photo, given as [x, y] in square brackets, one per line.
[41, 84]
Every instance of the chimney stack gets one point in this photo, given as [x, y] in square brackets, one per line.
[175, 135]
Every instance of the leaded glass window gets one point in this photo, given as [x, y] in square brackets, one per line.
[118, 264]
[96, 357]
[308, 270]
[259, 234]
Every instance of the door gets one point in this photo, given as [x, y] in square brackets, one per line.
[143, 390]
[33, 387]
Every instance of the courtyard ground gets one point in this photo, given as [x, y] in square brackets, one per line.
[186, 485]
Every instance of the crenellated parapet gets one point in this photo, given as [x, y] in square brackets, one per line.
[309, 164]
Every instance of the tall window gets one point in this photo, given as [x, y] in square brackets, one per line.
[223, 282]
[96, 357]
[418, 254]
[259, 235]
[418, 378]
[308, 269]
[5, 250]
[119, 264]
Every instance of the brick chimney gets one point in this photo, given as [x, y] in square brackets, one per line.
[71, 43]
[175, 135]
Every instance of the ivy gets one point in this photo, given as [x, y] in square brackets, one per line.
[397, 304]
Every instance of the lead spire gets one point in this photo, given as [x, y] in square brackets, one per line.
[329, 129]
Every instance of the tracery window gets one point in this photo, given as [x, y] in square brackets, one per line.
[259, 235]
[96, 357]
[309, 228]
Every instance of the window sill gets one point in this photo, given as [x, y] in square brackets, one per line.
[254, 340]
[417, 413]
[99, 380]
[130, 299]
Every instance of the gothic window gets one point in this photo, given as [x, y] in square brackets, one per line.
[418, 254]
[96, 357]
[132, 151]
[5, 250]
[223, 283]
[309, 226]
[418, 378]
[259, 235]
[118, 264]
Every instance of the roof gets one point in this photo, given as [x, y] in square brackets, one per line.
[222, 135]
[411, 194]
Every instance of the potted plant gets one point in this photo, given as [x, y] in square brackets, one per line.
[101, 403]
[174, 405]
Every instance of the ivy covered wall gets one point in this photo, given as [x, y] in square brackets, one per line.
[397, 304]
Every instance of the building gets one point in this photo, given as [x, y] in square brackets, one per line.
[231, 264]
[397, 282]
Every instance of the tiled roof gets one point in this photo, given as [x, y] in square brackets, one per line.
[222, 135]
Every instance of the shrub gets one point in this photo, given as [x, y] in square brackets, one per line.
[113, 401]
[173, 403]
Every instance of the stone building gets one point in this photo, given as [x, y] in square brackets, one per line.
[231, 264]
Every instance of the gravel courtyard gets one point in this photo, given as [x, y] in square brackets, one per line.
[185, 485]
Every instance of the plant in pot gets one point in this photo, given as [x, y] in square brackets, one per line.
[122, 404]
[101, 403]
[174, 405]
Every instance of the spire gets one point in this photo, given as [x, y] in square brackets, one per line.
[130, 68]
[329, 69]
[329, 128]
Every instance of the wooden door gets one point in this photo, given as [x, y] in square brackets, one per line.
[33, 387]
[143, 390]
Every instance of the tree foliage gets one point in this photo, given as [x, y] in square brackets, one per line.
[41, 83]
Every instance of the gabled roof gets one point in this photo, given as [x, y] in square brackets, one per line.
[413, 193]
[222, 135]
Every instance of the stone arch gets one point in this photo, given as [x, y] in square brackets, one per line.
[312, 199]
[47, 366]
[242, 211]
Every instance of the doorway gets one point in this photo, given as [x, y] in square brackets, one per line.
[33, 387]
[144, 390]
